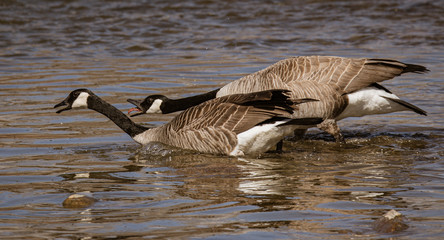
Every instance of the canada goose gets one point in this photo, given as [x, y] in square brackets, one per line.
[234, 125]
[345, 87]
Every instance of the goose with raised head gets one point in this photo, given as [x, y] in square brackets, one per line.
[236, 125]
[345, 87]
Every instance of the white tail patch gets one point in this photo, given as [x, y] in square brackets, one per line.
[369, 101]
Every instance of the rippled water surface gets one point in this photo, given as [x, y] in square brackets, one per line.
[316, 189]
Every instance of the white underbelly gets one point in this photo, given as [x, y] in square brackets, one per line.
[370, 101]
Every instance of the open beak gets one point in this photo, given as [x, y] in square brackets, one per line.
[137, 109]
[63, 103]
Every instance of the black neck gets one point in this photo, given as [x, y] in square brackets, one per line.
[174, 105]
[115, 115]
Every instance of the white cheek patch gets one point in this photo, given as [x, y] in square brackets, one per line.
[81, 101]
[155, 107]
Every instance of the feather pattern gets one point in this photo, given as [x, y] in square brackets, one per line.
[232, 125]
[217, 122]
[340, 84]
[349, 74]
[326, 78]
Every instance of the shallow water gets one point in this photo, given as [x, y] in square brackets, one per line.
[316, 189]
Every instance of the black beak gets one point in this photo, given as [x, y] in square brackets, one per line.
[63, 103]
[138, 107]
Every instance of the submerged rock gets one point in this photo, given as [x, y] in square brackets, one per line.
[78, 201]
[391, 222]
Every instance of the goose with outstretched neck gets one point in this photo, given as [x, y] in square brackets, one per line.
[235, 125]
[345, 87]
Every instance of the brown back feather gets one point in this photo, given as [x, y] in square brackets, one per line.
[349, 74]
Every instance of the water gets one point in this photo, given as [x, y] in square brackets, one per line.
[129, 49]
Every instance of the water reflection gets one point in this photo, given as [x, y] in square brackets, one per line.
[315, 189]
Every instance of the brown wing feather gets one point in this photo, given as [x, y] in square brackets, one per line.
[332, 100]
[217, 122]
[220, 109]
[235, 118]
[350, 74]
[207, 139]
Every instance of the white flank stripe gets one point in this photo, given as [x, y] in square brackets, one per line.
[261, 138]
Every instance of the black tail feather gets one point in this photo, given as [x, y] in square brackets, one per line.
[379, 86]
[415, 69]
[408, 105]
[305, 121]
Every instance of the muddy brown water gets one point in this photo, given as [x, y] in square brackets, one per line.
[316, 189]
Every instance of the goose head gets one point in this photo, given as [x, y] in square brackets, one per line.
[84, 98]
[76, 99]
[151, 104]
